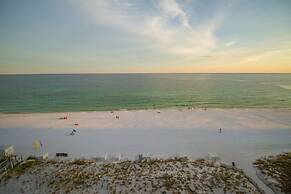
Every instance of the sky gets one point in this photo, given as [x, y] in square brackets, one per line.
[145, 36]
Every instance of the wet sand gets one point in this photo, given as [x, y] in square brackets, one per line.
[233, 119]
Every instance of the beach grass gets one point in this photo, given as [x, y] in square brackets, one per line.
[276, 170]
[150, 175]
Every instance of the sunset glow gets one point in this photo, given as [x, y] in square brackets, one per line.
[156, 36]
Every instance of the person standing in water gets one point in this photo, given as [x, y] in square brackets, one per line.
[220, 130]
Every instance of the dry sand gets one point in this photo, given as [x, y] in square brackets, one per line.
[247, 134]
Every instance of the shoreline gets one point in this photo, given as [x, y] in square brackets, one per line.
[152, 109]
[232, 118]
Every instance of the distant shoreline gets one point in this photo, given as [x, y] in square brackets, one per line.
[121, 73]
[151, 109]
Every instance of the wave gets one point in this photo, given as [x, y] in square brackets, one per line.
[287, 87]
[240, 80]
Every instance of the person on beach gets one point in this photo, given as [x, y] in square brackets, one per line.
[73, 132]
[220, 130]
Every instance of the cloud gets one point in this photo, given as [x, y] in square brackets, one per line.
[264, 55]
[173, 10]
[164, 24]
[231, 43]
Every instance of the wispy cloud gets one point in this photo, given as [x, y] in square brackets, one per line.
[230, 43]
[166, 26]
[265, 55]
[172, 9]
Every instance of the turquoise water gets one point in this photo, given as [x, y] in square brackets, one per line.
[90, 92]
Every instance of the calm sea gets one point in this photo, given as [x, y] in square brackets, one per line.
[90, 92]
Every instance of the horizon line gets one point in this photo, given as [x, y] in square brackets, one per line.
[108, 73]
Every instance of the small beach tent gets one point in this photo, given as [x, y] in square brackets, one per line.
[6, 150]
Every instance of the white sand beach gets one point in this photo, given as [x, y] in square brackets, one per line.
[234, 119]
[246, 134]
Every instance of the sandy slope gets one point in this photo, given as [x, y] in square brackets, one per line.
[174, 175]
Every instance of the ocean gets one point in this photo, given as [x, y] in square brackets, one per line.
[96, 92]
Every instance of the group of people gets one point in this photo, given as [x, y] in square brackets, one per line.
[116, 117]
